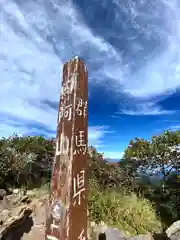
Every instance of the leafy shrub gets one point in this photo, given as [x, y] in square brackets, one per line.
[25, 161]
[126, 212]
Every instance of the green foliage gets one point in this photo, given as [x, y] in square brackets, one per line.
[158, 158]
[124, 211]
[25, 161]
[106, 175]
[111, 199]
[117, 194]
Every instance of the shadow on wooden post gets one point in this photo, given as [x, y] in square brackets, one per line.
[67, 208]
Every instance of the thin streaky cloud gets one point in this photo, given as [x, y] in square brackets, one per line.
[136, 60]
[42, 45]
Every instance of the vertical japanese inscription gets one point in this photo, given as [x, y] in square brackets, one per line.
[68, 196]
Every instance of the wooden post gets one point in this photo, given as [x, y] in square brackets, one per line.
[67, 210]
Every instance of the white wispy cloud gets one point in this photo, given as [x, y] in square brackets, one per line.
[174, 127]
[147, 108]
[96, 135]
[37, 37]
[161, 72]
[113, 155]
[31, 66]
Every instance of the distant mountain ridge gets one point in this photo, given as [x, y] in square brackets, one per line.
[112, 160]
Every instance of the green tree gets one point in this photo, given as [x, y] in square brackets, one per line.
[25, 160]
[160, 158]
[135, 160]
[166, 154]
[105, 174]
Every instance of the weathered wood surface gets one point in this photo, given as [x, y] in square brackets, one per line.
[67, 210]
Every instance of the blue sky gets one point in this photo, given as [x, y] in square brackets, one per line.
[131, 48]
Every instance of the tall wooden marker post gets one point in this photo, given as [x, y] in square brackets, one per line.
[67, 208]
